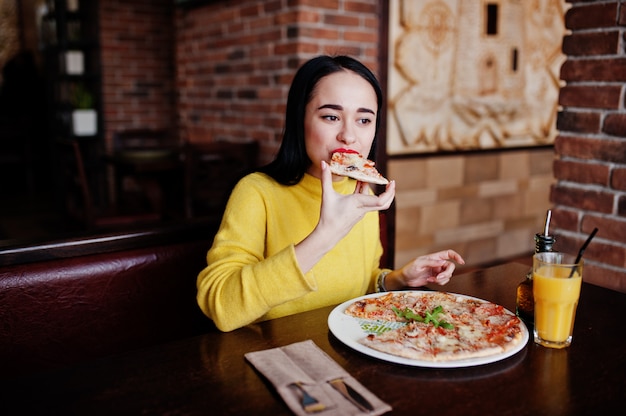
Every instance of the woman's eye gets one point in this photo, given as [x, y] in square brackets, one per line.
[365, 121]
[330, 118]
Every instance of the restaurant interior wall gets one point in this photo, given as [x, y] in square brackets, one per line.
[138, 92]
[590, 168]
[235, 61]
[231, 64]
[138, 72]
[234, 64]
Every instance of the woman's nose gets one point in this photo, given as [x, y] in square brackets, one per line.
[346, 134]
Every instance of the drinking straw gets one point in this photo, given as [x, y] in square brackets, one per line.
[547, 226]
[582, 250]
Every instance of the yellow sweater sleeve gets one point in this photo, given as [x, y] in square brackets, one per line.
[252, 273]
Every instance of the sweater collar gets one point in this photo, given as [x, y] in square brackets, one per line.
[314, 185]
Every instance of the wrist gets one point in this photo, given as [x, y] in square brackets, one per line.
[380, 281]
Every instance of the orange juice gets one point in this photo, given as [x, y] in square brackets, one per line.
[556, 298]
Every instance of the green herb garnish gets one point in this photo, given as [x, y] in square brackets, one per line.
[430, 316]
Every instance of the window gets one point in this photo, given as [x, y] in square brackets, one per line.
[514, 59]
[491, 26]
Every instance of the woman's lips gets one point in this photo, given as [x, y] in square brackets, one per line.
[344, 150]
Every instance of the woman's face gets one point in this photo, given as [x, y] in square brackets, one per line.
[341, 113]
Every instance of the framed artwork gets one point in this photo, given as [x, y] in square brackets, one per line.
[473, 74]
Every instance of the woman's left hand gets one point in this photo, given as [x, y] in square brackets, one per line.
[431, 268]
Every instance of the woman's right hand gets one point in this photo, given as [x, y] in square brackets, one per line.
[338, 214]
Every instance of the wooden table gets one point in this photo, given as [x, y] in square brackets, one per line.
[208, 374]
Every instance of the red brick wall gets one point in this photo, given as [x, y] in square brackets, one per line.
[590, 167]
[224, 71]
[137, 50]
[235, 60]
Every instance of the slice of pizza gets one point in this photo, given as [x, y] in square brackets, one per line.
[347, 162]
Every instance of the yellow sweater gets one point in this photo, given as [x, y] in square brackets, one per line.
[252, 273]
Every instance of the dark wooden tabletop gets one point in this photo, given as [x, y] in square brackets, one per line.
[208, 374]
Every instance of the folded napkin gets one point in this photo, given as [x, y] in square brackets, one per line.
[301, 369]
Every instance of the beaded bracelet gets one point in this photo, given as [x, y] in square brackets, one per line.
[380, 282]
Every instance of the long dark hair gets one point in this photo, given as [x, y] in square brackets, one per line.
[292, 160]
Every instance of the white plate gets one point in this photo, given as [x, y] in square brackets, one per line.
[349, 330]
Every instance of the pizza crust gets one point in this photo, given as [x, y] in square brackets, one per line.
[407, 350]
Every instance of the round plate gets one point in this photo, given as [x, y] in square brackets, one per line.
[349, 330]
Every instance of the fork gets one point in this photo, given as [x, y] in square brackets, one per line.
[309, 403]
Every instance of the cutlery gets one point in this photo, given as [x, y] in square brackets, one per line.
[352, 395]
[309, 403]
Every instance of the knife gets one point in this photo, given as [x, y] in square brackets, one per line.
[352, 395]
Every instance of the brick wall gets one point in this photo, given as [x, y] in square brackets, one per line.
[224, 71]
[137, 53]
[235, 60]
[590, 168]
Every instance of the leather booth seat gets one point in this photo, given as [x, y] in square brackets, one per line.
[99, 298]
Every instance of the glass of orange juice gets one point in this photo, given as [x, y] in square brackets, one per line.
[556, 288]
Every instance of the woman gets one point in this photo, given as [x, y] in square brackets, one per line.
[293, 236]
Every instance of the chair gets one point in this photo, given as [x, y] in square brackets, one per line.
[211, 171]
[144, 142]
[132, 213]
[149, 161]
[386, 221]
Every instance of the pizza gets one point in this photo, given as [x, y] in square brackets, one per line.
[436, 326]
[347, 162]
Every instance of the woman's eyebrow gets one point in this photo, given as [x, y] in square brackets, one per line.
[340, 108]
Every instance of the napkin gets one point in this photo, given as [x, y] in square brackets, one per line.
[306, 364]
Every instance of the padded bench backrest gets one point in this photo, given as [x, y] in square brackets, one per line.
[60, 312]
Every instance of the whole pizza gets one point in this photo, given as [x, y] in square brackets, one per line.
[436, 326]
